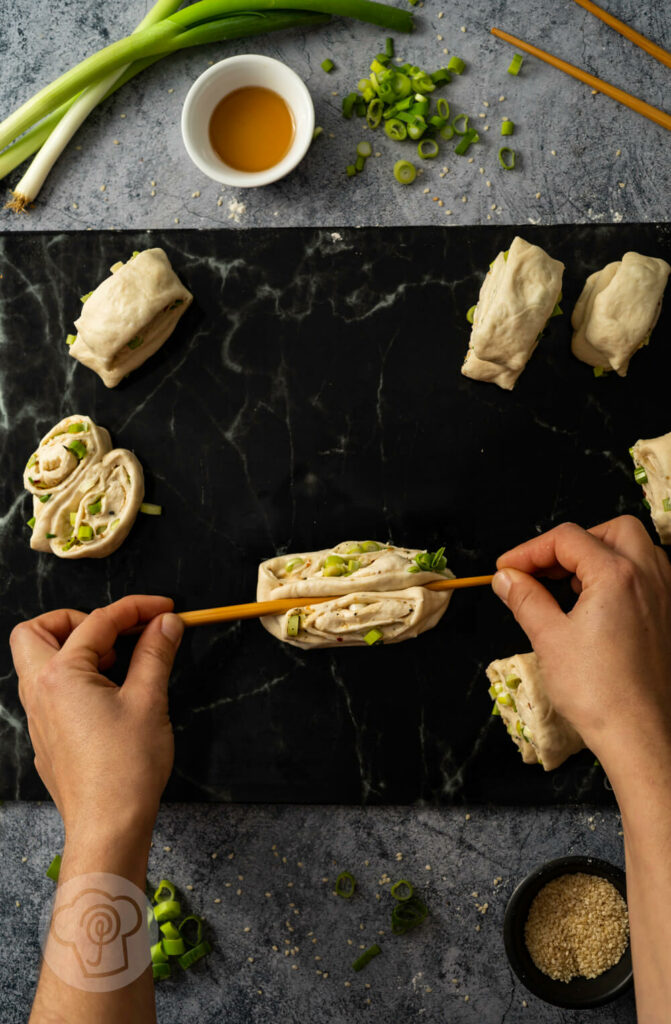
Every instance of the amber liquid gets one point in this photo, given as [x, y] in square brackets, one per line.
[251, 129]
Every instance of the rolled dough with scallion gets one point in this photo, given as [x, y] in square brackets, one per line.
[542, 735]
[652, 462]
[129, 316]
[377, 589]
[518, 297]
[617, 311]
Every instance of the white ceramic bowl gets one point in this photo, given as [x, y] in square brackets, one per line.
[238, 73]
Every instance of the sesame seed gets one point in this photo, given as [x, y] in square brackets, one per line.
[103, 187]
[467, 816]
[464, 199]
[171, 90]
[620, 184]
[501, 99]
[115, 141]
[594, 92]
[441, 203]
[23, 860]
[448, 213]
[196, 195]
[538, 195]
[122, 115]
[489, 185]
[426, 191]
[247, 929]
[267, 895]
[75, 206]
[485, 103]
[463, 28]
[218, 900]
[190, 888]
[482, 115]
[176, 220]
[167, 849]
[486, 128]
[493, 206]
[618, 152]
[250, 959]
[294, 967]
[18, 903]
[439, 38]
[440, 14]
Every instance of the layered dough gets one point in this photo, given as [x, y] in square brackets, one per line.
[542, 735]
[617, 310]
[86, 495]
[377, 589]
[517, 298]
[129, 316]
[654, 458]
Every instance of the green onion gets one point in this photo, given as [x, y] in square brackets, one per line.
[32, 460]
[443, 108]
[54, 869]
[640, 475]
[402, 890]
[345, 885]
[372, 545]
[31, 522]
[327, 65]
[496, 710]
[164, 886]
[136, 342]
[68, 544]
[167, 910]
[405, 172]
[348, 104]
[441, 77]
[150, 510]
[293, 625]
[457, 65]
[466, 142]
[160, 971]
[423, 83]
[75, 428]
[352, 566]
[174, 947]
[73, 518]
[351, 170]
[512, 682]
[83, 298]
[646, 503]
[374, 113]
[507, 158]
[557, 311]
[85, 532]
[428, 149]
[416, 128]
[199, 930]
[516, 64]
[191, 956]
[447, 132]
[373, 638]
[377, 67]
[317, 132]
[94, 508]
[507, 127]
[45, 498]
[70, 339]
[364, 149]
[460, 124]
[429, 561]
[437, 122]
[666, 504]
[408, 915]
[158, 954]
[599, 371]
[292, 564]
[77, 448]
[366, 957]
[470, 315]
[169, 931]
[396, 130]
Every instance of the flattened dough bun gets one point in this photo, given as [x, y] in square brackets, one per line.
[516, 300]
[542, 735]
[86, 494]
[654, 456]
[380, 591]
[129, 316]
[617, 311]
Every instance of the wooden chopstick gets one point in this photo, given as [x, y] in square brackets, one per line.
[625, 98]
[658, 52]
[255, 609]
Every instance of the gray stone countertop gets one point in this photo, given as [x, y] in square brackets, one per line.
[581, 158]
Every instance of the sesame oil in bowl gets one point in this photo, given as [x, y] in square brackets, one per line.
[252, 128]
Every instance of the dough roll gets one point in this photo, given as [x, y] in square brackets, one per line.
[129, 316]
[617, 311]
[377, 589]
[652, 459]
[542, 735]
[517, 298]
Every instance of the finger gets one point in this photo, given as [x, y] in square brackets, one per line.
[35, 641]
[534, 608]
[567, 547]
[627, 536]
[152, 661]
[106, 661]
[98, 632]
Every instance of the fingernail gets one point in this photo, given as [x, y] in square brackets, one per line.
[501, 585]
[172, 627]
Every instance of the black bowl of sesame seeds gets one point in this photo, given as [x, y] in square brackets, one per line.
[567, 921]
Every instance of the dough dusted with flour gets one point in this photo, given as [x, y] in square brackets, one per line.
[654, 458]
[541, 733]
[617, 311]
[375, 587]
[517, 298]
[129, 316]
[86, 495]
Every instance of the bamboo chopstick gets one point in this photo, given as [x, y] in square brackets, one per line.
[255, 609]
[625, 98]
[658, 52]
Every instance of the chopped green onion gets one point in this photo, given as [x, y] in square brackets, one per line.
[345, 885]
[94, 508]
[396, 130]
[50, 536]
[73, 518]
[512, 682]
[351, 170]
[77, 448]
[372, 545]
[199, 930]
[353, 565]
[364, 149]
[417, 128]
[68, 544]
[405, 172]
[167, 910]
[191, 956]
[334, 560]
[443, 108]
[407, 915]
[292, 564]
[158, 954]
[506, 700]
[168, 887]
[31, 461]
[423, 83]
[374, 113]
[293, 625]
[460, 124]
[470, 315]
[389, 47]
[85, 532]
[45, 498]
[507, 158]
[70, 339]
[496, 710]
[150, 510]
[441, 77]
[31, 522]
[383, 58]
[348, 104]
[420, 107]
[377, 67]
[402, 890]
[557, 311]
[466, 142]
[507, 127]
[327, 65]
[457, 65]
[76, 428]
[373, 638]
[430, 561]
[54, 869]
[599, 371]
[447, 132]
[174, 947]
[317, 132]
[640, 475]
[365, 958]
[437, 122]
[160, 971]
[666, 504]
[427, 149]
[83, 298]
[169, 931]
[516, 64]
[136, 342]
[646, 504]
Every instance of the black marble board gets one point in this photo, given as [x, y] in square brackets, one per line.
[313, 394]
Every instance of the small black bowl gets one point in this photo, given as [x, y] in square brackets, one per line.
[580, 993]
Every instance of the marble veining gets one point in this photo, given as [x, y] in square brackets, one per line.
[313, 393]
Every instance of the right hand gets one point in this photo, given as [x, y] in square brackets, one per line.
[607, 663]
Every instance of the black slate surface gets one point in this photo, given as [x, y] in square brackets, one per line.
[313, 394]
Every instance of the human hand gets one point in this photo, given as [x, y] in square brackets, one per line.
[104, 752]
[607, 663]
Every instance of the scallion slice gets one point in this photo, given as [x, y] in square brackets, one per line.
[31, 522]
[192, 956]
[507, 127]
[372, 545]
[351, 170]
[396, 130]
[83, 298]
[507, 158]
[345, 885]
[158, 954]
[160, 971]
[85, 532]
[466, 142]
[348, 104]
[364, 149]
[174, 947]
[447, 132]
[293, 625]
[164, 887]
[77, 448]
[167, 910]
[366, 957]
[599, 371]
[327, 65]
[427, 149]
[402, 890]
[443, 108]
[441, 77]
[45, 498]
[646, 504]
[460, 124]
[666, 504]
[496, 710]
[136, 342]
[169, 931]
[470, 315]
[70, 339]
[76, 428]
[373, 638]
[151, 510]
[185, 929]
[389, 47]
[94, 508]
[408, 915]
[640, 475]
[374, 113]
[515, 64]
[54, 869]
[457, 65]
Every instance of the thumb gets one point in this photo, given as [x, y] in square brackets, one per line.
[153, 657]
[533, 606]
